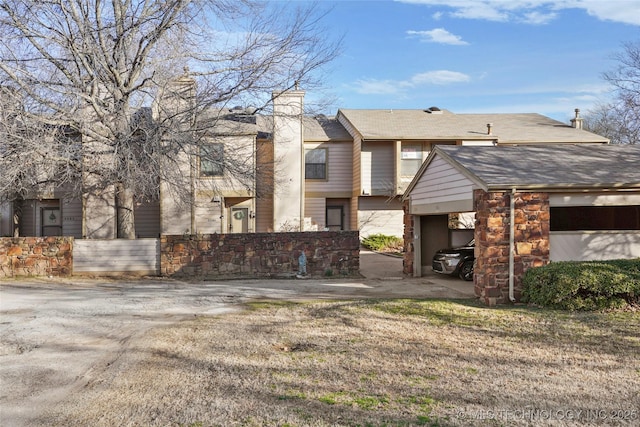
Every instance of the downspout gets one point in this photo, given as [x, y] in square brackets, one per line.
[302, 173]
[512, 229]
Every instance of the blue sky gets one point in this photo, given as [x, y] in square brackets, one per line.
[478, 56]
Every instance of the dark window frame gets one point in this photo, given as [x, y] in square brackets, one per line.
[212, 162]
[316, 170]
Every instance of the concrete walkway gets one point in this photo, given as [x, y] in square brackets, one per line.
[56, 333]
[376, 267]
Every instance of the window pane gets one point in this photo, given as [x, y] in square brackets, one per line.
[315, 164]
[211, 160]
[411, 159]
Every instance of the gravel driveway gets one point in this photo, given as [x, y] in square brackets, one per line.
[57, 334]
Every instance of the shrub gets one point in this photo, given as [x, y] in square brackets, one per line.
[383, 243]
[589, 285]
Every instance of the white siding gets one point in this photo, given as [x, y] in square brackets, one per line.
[441, 185]
[593, 245]
[619, 199]
[93, 256]
[378, 168]
[478, 143]
[380, 215]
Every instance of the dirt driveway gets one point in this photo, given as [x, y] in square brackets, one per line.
[57, 334]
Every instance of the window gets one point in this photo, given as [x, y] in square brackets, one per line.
[315, 163]
[211, 159]
[411, 159]
[565, 218]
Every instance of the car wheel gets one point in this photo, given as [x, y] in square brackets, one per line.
[466, 271]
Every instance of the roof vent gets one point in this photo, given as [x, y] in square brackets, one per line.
[577, 121]
[433, 110]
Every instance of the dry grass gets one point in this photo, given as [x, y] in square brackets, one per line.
[373, 363]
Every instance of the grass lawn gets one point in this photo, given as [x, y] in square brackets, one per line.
[373, 363]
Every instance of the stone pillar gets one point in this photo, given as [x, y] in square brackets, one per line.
[531, 238]
[409, 252]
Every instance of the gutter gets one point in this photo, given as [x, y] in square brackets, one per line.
[512, 229]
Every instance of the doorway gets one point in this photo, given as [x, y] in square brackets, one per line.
[239, 220]
[51, 221]
[335, 218]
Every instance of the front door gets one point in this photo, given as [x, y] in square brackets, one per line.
[51, 221]
[239, 220]
[334, 218]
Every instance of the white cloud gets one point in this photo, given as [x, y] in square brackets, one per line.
[392, 87]
[536, 11]
[439, 77]
[438, 35]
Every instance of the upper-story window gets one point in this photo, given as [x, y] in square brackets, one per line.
[315, 163]
[211, 159]
[411, 159]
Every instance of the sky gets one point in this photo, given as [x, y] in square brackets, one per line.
[477, 56]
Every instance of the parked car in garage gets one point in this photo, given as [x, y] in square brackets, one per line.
[455, 261]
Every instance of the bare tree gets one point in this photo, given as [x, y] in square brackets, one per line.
[80, 77]
[619, 120]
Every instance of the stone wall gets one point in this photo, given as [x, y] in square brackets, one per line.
[409, 251]
[328, 253]
[36, 256]
[491, 279]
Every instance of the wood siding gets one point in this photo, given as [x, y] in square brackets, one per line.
[72, 218]
[441, 185]
[378, 168]
[140, 256]
[593, 245]
[315, 213]
[380, 215]
[339, 169]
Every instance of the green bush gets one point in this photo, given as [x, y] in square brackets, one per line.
[383, 243]
[590, 285]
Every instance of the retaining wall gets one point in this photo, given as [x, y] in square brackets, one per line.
[36, 256]
[329, 253]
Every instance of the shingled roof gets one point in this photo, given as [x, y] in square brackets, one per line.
[547, 167]
[445, 125]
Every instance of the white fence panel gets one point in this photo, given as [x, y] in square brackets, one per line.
[119, 256]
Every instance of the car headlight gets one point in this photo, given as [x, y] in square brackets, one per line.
[452, 259]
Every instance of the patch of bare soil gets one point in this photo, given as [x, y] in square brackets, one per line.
[371, 363]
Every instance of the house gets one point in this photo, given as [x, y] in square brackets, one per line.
[533, 205]
[347, 172]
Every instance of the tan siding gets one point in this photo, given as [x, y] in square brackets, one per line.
[339, 169]
[380, 215]
[378, 168]
[264, 187]
[264, 215]
[314, 210]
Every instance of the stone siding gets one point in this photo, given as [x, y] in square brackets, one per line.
[408, 260]
[531, 238]
[36, 256]
[260, 254]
